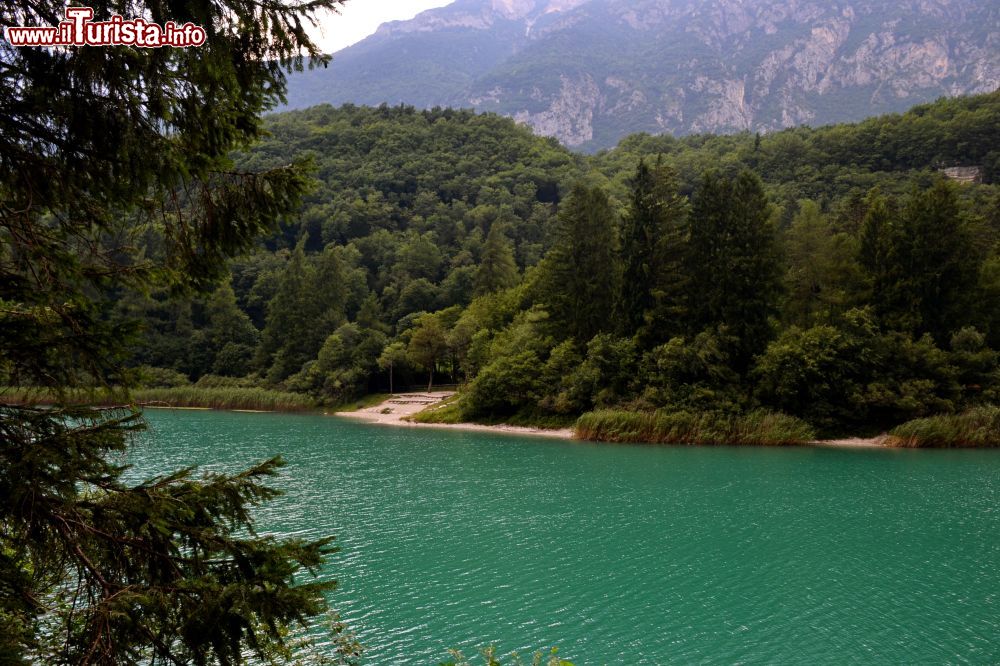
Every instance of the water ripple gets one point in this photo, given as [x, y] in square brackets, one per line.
[638, 555]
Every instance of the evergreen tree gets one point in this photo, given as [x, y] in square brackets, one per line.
[230, 338]
[878, 253]
[823, 275]
[104, 151]
[943, 261]
[652, 285]
[922, 263]
[281, 350]
[732, 262]
[581, 272]
[497, 268]
[327, 296]
[307, 307]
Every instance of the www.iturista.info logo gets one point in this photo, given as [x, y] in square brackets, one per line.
[78, 29]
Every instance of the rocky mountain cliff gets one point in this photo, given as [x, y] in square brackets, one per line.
[591, 71]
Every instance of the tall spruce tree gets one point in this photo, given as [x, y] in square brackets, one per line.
[114, 176]
[497, 268]
[733, 263]
[878, 254]
[229, 338]
[307, 307]
[922, 262]
[651, 303]
[581, 272]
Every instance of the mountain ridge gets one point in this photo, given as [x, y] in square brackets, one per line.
[589, 72]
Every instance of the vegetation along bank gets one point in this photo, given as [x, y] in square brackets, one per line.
[834, 275]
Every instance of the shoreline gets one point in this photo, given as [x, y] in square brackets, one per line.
[398, 408]
[854, 443]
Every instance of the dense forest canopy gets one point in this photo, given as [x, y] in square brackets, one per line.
[831, 273]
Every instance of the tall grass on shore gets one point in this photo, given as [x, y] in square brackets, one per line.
[757, 428]
[75, 396]
[255, 399]
[978, 427]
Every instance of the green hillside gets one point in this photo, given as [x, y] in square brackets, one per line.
[709, 273]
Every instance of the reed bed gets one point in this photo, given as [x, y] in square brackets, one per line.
[255, 399]
[757, 428]
[35, 395]
[250, 399]
[978, 427]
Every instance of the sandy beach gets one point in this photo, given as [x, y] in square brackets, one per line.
[396, 409]
[854, 442]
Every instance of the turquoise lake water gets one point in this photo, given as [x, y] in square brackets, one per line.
[626, 554]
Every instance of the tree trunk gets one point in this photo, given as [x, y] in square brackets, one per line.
[430, 380]
[390, 379]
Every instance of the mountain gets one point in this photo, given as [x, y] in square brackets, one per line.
[592, 71]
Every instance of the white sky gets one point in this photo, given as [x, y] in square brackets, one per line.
[360, 18]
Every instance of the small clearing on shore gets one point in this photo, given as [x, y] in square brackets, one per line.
[399, 407]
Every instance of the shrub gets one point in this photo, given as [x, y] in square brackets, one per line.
[504, 386]
[161, 377]
[757, 428]
[693, 374]
[976, 428]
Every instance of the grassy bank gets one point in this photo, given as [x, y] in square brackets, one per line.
[447, 411]
[357, 404]
[975, 428]
[450, 412]
[256, 399]
[759, 428]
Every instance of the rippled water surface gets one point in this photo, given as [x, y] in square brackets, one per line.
[627, 555]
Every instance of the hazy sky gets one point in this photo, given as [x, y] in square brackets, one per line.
[360, 18]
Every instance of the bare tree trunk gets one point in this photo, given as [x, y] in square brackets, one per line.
[391, 392]
[430, 380]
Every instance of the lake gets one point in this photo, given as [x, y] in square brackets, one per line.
[626, 554]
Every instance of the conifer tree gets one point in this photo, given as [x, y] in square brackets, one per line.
[115, 176]
[823, 274]
[878, 253]
[497, 268]
[230, 335]
[581, 273]
[652, 285]
[307, 307]
[281, 346]
[733, 263]
[922, 262]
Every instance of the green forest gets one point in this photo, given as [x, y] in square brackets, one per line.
[833, 275]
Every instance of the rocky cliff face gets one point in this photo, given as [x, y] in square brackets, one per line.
[590, 71]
